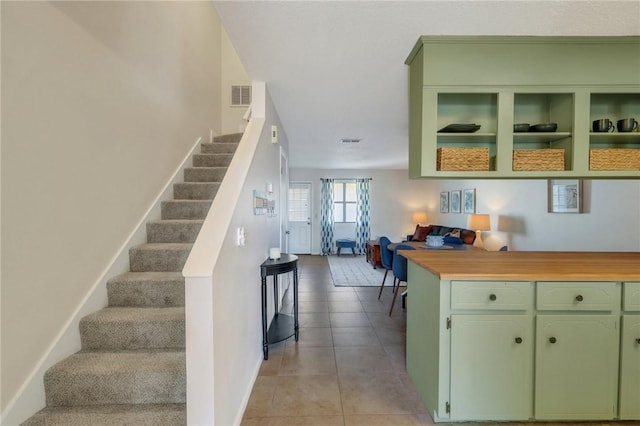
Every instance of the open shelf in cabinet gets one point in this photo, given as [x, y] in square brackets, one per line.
[614, 140]
[614, 151]
[468, 108]
[539, 139]
[539, 108]
[614, 106]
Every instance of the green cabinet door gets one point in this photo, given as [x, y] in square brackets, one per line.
[576, 367]
[630, 368]
[491, 367]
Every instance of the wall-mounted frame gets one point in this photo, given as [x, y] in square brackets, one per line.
[444, 202]
[469, 201]
[565, 195]
[260, 203]
[454, 202]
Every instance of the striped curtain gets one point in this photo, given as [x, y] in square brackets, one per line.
[362, 215]
[326, 216]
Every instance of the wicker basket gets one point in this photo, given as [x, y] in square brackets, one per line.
[614, 159]
[462, 159]
[538, 159]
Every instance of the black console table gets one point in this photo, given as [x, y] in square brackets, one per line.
[283, 326]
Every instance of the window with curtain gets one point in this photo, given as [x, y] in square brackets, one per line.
[326, 216]
[344, 201]
[362, 214]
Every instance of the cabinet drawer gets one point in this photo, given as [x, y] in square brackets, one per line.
[631, 298]
[577, 296]
[491, 295]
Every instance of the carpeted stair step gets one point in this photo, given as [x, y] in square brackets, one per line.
[185, 209]
[204, 174]
[131, 369]
[218, 148]
[158, 257]
[129, 377]
[211, 160]
[231, 137]
[173, 231]
[195, 190]
[131, 328]
[110, 415]
[146, 289]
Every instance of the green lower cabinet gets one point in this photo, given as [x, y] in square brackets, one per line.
[630, 368]
[491, 367]
[576, 367]
[523, 351]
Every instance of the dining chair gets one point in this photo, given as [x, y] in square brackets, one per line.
[399, 271]
[386, 258]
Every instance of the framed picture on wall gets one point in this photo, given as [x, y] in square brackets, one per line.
[565, 196]
[444, 202]
[469, 201]
[454, 202]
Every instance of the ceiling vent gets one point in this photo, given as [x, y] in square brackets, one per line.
[240, 95]
[350, 140]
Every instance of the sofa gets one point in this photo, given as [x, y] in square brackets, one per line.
[451, 235]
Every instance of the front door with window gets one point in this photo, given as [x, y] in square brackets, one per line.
[300, 217]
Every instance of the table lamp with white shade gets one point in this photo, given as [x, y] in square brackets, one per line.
[419, 218]
[479, 223]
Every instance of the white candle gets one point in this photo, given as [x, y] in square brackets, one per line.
[274, 253]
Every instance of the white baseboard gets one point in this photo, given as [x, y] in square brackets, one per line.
[247, 394]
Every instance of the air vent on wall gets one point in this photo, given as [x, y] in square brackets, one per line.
[349, 140]
[240, 95]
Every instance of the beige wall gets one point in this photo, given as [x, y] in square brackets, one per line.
[233, 74]
[237, 310]
[518, 209]
[100, 103]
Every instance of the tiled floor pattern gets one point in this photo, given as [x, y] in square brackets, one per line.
[348, 367]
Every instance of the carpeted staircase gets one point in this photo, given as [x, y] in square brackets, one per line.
[131, 369]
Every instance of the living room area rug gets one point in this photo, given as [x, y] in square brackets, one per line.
[354, 271]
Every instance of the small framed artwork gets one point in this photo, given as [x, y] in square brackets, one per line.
[444, 202]
[469, 201]
[565, 196]
[455, 201]
[260, 203]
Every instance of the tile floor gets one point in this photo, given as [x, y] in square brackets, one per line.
[348, 367]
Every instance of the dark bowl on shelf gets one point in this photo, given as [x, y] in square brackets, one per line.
[460, 128]
[521, 127]
[544, 127]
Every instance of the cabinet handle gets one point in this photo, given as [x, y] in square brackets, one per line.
[518, 340]
[492, 297]
[638, 341]
[579, 298]
[552, 340]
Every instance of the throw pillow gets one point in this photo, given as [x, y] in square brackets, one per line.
[421, 233]
[467, 236]
[455, 233]
[452, 240]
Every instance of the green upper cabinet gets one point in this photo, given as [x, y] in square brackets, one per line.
[498, 82]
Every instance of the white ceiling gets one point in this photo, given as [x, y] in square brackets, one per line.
[335, 69]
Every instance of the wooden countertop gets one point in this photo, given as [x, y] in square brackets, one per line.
[528, 265]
